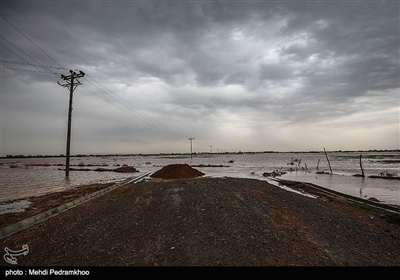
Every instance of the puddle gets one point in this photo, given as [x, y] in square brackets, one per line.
[279, 184]
[17, 206]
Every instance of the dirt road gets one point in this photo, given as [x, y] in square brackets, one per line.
[220, 222]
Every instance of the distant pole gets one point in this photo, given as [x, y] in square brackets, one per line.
[190, 138]
[362, 170]
[71, 85]
[328, 161]
[211, 148]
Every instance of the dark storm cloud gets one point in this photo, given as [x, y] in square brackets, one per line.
[292, 61]
[358, 42]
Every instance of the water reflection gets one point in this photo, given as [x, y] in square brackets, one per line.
[362, 186]
[36, 176]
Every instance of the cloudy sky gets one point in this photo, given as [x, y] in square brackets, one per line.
[234, 75]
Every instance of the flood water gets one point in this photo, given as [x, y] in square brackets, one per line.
[24, 177]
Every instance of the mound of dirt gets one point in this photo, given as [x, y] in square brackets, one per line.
[177, 171]
[126, 169]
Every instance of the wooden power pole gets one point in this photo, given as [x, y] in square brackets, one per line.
[190, 138]
[71, 84]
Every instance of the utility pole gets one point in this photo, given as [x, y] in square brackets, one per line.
[190, 138]
[71, 84]
[211, 148]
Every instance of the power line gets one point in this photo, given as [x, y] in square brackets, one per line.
[128, 112]
[27, 62]
[41, 65]
[31, 64]
[143, 114]
[30, 70]
[155, 124]
[29, 40]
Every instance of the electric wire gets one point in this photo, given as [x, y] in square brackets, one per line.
[30, 64]
[156, 123]
[27, 61]
[143, 114]
[30, 70]
[128, 112]
[29, 40]
[126, 103]
[41, 65]
[121, 103]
